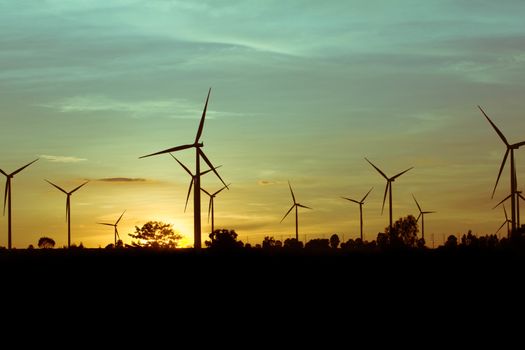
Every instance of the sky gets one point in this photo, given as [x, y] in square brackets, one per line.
[302, 91]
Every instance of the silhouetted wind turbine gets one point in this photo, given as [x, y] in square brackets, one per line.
[360, 208]
[7, 197]
[197, 180]
[388, 188]
[513, 181]
[115, 226]
[68, 207]
[520, 196]
[192, 178]
[211, 206]
[422, 216]
[507, 221]
[295, 205]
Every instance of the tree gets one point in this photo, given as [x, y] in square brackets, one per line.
[318, 244]
[223, 239]
[155, 234]
[268, 242]
[334, 241]
[404, 232]
[292, 243]
[46, 243]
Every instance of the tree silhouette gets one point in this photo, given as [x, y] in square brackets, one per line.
[334, 241]
[268, 242]
[318, 244]
[155, 234]
[404, 232]
[452, 242]
[46, 243]
[292, 243]
[223, 239]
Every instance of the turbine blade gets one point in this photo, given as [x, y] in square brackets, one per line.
[208, 193]
[3, 172]
[429, 212]
[6, 193]
[401, 173]
[58, 187]
[211, 166]
[366, 195]
[182, 165]
[501, 226]
[500, 171]
[303, 206]
[207, 171]
[419, 216]
[519, 144]
[78, 187]
[209, 208]
[505, 211]
[104, 223]
[219, 191]
[291, 191]
[288, 212]
[503, 200]
[503, 138]
[188, 196]
[173, 149]
[116, 223]
[379, 170]
[384, 197]
[22, 168]
[351, 200]
[201, 124]
[417, 203]
[520, 195]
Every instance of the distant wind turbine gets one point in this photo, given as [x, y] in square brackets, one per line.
[520, 196]
[192, 178]
[68, 207]
[115, 226]
[388, 188]
[513, 180]
[422, 216]
[507, 221]
[197, 180]
[7, 197]
[295, 205]
[360, 209]
[211, 206]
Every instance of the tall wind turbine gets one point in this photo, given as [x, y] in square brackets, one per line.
[211, 206]
[507, 221]
[295, 205]
[513, 181]
[115, 226]
[360, 208]
[192, 178]
[7, 197]
[68, 207]
[197, 180]
[388, 188]
[422, 216]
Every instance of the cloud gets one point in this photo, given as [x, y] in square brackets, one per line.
[62, 159]
[265, 182]
[122, 179]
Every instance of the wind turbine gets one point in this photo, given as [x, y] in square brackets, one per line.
[197, 180]
[295, 205]
[507, 221]
[115, 226]
[520, 196]
[422, 216]
[360, 208]
[211, 206]
[513, 181]
[68, 207]
[7, 197]
[388, 188]
[192, 178]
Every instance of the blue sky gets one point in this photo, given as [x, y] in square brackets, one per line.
[302, 91]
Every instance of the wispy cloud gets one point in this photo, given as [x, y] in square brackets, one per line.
[62, 159]
[265, 182]
[175, 108]
[122, 179]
